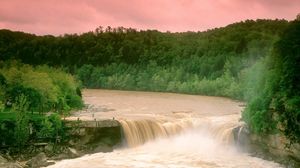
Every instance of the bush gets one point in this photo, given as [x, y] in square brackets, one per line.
[52, 129]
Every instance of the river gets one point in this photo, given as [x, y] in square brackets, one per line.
[166, 130]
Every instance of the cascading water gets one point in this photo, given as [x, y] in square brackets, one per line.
[137, 132]
[187, 143]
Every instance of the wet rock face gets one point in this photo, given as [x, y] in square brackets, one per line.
[95, 135]
[242, 138]
[92, 137]
[269, 147]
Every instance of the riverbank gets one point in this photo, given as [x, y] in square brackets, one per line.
[86, 137]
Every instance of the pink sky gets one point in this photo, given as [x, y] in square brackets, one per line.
[75, 16]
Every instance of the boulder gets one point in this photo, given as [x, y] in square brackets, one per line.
[39, 160]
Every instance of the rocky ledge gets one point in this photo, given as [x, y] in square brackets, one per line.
[269, 147]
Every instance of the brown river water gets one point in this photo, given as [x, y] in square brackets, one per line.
[166, 130]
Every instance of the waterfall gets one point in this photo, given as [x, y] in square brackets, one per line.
[139, 131]
[189, 143]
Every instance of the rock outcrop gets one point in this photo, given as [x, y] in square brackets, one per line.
[270, 147]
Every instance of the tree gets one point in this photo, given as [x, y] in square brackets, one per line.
[22, 121]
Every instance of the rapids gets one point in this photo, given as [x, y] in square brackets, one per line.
[174, 137]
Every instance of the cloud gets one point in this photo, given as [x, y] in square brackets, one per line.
[75, 16]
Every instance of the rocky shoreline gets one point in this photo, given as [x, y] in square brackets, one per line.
[46, 157]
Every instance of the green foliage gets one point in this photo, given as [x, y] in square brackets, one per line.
[52, 128]
[27, 92]
[249, 39]
[58, 128]
[7, 132]
[272, 88]
[21, 132]
[22, 128]
[33, 95]
[45, 88]
[67, 88]
[253, 84]
[2, 80]
[46, 129]
[286, 92]
[2, 107]
[157, 78]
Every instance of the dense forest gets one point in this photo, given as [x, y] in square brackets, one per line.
[254, 61]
